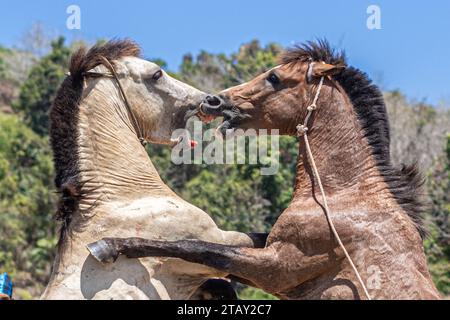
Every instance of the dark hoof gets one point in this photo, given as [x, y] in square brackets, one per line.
[103, 251]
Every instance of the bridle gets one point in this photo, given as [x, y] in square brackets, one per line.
[112, 70]
[302, 131]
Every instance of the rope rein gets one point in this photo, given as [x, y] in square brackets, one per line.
[302, 130]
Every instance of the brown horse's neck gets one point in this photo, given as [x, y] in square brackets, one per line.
[113, 164]
[341, 153]
[367, 216]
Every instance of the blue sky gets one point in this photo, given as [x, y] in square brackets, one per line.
[411, 52]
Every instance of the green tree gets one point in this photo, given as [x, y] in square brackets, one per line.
[26, 200]
[229, 198]
[251, 60]
[437, 245]
[39, 90]
[7, 85]
[2, 65]
[214, 72]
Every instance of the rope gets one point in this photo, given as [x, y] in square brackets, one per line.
[302, 130]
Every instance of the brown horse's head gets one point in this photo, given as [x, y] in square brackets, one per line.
[351, 115]
[278, 98]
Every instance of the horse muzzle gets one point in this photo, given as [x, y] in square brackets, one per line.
[212, 106]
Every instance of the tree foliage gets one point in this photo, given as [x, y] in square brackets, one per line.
[437, 244]
[39, 90]
[26, 200]
[2, 64]
[236, 196]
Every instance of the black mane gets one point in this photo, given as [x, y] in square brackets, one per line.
[64, 125]
[405, 183]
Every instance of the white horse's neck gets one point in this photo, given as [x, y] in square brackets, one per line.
[115, 173]
[113, 164]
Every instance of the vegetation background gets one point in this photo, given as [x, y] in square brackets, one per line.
[236, 196]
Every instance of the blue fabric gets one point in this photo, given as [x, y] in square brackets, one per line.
[6, 285]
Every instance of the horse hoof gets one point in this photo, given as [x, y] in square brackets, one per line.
[103, 251]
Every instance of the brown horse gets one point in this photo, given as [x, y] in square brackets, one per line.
[374, 206]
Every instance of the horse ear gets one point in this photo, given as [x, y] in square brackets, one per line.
[325, 69]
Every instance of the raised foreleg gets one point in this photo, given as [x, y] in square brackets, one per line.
[274, 269]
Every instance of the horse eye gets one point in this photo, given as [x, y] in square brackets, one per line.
[158, 74]
[273, 79]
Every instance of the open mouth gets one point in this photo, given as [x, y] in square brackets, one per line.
[205, 118]
[226, 128]
[232, 116]
[201, 114]
[232, 119]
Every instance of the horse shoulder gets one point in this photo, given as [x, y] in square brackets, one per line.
[308, 230]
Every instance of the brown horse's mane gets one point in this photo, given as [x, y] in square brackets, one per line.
[405, 182]
[64, 125]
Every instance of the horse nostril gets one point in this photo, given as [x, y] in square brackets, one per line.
[212, 105]
[213, 101]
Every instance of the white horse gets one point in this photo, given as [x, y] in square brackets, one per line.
[110, 103]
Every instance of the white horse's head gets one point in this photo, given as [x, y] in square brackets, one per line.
[158, 103]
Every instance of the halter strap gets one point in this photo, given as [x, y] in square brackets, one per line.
[302, 131]
[303, 128]
[114, 75]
